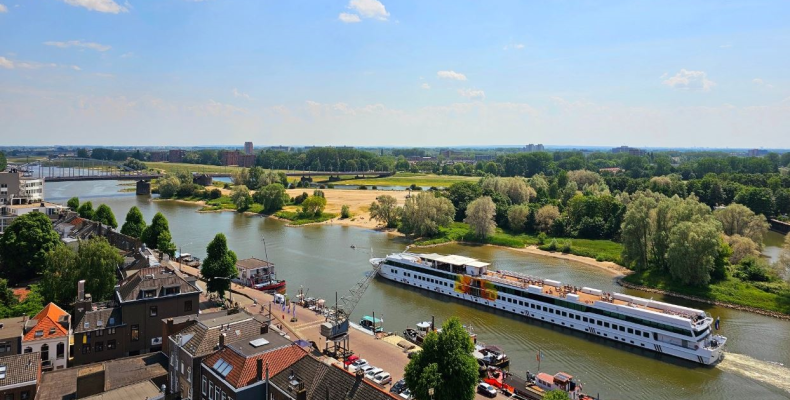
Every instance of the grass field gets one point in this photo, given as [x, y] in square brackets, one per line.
[406, 179]
[601, 250]
[297, 218]
[731, 290]
[176, 167]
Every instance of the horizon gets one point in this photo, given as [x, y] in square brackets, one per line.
[382, 73]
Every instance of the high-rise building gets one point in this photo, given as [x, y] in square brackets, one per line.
[248, 148]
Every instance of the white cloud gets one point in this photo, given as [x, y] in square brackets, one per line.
[472, 94]
[513, 46]
[725, 46]
[349, 18]
[451, 75]
[6, 63]
[78, 43]
[3, 8]
[760, 82]
[104, 6]
[690, 80]
[369, 9]
[127, 55]
[76, 68]
[237, 93]
[425, 86]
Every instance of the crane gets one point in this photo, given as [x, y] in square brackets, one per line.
[335, 329]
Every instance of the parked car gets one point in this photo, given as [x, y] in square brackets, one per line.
[486, 389]
[372, 372]
[406, 394]
[382, 378]
[398, 387]
[350, 359]
[357, 364]
[365, 368]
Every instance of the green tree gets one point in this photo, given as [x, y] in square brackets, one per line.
[96, 261]
[165, 244]
[105, 216]
[3, 161]
[86, 210]
[73, 203]
[168, 186]
[220, 262]
[461, 194]
[545, 217]
[345, 212]
[556, 395]
[637, 232]
[783, 264]
[241, 197]
[693, 249]
[517, 217]
[737, 219]
[385, 210]
[313, 206]
[24, 246]
[152, 232]
[272, 197]
[135, 223]
[480, 216]
[425, 213]
[759, 200]
[444, 364]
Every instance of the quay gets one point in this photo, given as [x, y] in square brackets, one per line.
[382, 353]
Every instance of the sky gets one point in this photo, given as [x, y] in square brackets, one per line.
[395, 73]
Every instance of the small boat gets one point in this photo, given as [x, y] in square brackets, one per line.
[536, 386]
[491, 355]
[188, 260]
[495, 377]
[417, 336]
[272, 284]
[371, 324]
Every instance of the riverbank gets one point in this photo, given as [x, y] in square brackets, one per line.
[730, 293]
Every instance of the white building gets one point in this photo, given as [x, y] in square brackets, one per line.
[48, 333]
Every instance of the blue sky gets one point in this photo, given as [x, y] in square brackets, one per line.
[406, 73]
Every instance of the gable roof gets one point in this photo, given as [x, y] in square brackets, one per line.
[202, 337]
[252, 263]
[45, 321]
[152, 278]
[244, 369]
[319, 379]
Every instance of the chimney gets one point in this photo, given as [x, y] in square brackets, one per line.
[264, 329]
[359, 375]
[301, 393]
[259, 370]
[221, 341]
[81, 290]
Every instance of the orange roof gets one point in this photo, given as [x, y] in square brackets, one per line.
[21, 293]
[245, 368]
[47, 322]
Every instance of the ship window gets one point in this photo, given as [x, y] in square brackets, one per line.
[545, 309]
[638, 332]
[584, 319]
[599, 323]
[630, 330]
[564, 314]
[521, 303]
[606, 324]
[577, 318]
[622, 328]
[646, 334]
[613, 326]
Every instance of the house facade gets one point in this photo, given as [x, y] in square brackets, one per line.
[48, 333]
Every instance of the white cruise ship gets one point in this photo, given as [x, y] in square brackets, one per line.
[665, 328]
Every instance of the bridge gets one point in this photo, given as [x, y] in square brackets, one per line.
[88, 169]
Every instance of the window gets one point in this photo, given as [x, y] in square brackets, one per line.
[645, 334]
[224, 397]
[135, 333]
[630, 330]
[8, 396]
[622, 328]
[584, 319]
[188, 305]
[614, 326]
[111, 331]
[39, 333]
[148, 294]
[100, 332]
[216, 392]
[5, 347]
[154, 310]
[203, 386]
[86, 348]
[99, 346]
[25, 395]
[189, 374]
[111, 344]
[28, 349]
[210, 390]
[182, 368]
[45, 352]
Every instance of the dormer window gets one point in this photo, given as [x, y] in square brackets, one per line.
[148, 294]
[51, 331]
[39, 333]
[172, 290]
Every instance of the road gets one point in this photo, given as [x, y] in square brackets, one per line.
[377, 352]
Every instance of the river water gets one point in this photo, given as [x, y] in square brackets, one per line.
[320, 259]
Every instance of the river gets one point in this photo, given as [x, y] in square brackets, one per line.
[320, 259]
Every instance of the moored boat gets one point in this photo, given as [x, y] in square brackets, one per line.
[647, 324]
[372, 324]
[258, 274]
[491, 356]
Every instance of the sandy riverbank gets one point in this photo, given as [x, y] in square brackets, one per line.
[358, 202]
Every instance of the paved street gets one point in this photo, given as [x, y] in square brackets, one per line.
[377, 352]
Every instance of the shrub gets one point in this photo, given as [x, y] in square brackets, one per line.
[330, 186]
[566, 246]
[345, 212]
[552, 245]
[363, 187]
[542, 238]
[214, 194]
[414, 187]
[299, 199]
[754, 269]
[375, 187]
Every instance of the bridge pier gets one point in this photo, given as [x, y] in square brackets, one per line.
[143, 188]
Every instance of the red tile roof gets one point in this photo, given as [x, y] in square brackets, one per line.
[46, 320]
[21, 293]
[245, 368]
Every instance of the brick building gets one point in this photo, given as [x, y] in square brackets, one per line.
[19, 376]
[131, 323]
[176, 156]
